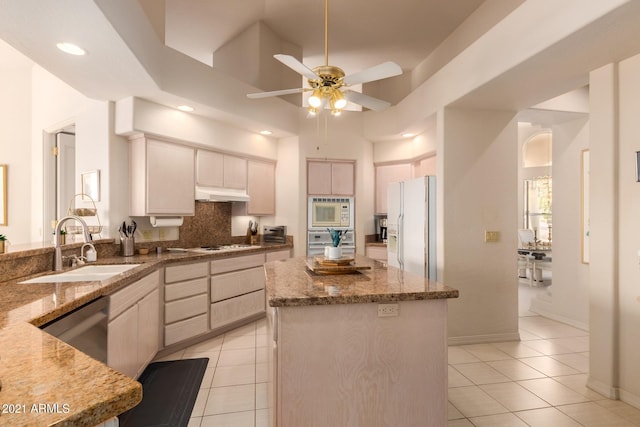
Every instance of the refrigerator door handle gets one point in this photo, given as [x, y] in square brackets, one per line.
[400, 252]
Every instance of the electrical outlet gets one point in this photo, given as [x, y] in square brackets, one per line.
[147, 235]
[491, 236]
[161, 234]
[388, 310]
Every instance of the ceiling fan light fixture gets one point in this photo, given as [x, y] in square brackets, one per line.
[335, 112]
[315, 100]
[337, 100]
[312, 111]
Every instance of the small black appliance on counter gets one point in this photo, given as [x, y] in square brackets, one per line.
[274, 234]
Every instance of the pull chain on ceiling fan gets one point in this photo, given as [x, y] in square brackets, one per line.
[326, 81]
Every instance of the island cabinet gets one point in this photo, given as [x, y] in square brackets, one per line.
[162, 178]
[356, 349]
[237, 289]
[186, 302]
[133, 325]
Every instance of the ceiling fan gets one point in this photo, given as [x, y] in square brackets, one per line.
[329, 84]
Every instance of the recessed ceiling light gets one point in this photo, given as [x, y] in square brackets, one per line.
[407, 135]
[71, 49]
[266, 132]
[186, 108]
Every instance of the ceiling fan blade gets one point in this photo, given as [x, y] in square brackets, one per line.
[377, 72]
[297, 66]
[258, 95]
[367, 101]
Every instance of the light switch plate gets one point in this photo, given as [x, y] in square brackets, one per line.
[491, 236]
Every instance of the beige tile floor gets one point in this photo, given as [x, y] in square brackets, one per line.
[538, 381]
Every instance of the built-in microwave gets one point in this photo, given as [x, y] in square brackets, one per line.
[334, 212]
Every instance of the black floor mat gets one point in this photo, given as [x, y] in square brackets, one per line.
[169, 391]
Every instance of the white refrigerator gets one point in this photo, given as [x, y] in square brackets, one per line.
[411, 226]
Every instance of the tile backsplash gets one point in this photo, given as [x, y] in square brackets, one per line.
[210, 225]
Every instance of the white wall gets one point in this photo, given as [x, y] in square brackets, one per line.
[15, 141]
[56, 105]
[477, 179]
[328, 137]
[615, 231]
[569, 300]
[629, 229]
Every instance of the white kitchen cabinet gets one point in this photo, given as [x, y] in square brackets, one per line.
[162, 178]
[133, 328]
[261, 187]
[220, 170]
[376, 252]
[235, 172]
[330, 178]
[209, 169]
[185, 301]
[386, 174]
[278, 255]
[237, 289]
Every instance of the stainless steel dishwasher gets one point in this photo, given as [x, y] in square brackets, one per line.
[84, 328]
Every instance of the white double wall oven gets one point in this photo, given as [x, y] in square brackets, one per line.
[326, 213]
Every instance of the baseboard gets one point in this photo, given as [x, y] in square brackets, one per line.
[482, 339]
[609, 392]
[630, 398]
[538, 308]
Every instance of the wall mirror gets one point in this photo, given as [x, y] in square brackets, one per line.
[3, 194]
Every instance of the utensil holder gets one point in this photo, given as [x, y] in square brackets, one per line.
[127, 246]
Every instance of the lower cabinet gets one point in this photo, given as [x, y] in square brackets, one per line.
[134, 321]
[237, 289]
[376, 252]
[185, 301]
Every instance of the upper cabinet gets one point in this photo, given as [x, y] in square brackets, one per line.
[384, 176]
[261, 187]
[162, 178]
[330, 178]
[221, 170]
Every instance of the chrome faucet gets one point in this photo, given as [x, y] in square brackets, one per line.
[57, 256]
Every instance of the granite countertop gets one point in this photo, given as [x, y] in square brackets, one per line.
[36, 368]
[378, 244]
[47, 382]
[291, 283]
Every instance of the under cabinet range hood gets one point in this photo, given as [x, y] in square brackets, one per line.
[215, 194]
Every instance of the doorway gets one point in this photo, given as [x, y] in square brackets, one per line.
[59, 177]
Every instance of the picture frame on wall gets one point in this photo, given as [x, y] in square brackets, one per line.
[584, 168]
[91, 185]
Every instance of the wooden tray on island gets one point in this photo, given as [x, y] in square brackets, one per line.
[330, 261]
[344, 265]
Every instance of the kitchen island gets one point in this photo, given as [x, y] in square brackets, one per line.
[361, 349]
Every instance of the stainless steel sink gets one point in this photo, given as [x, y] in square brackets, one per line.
[87, 273]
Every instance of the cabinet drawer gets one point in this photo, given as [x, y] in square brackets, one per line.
[133, 293]
[278, 255]
[178, 273]
[377, 252]
[185, 289]
[236, 263]
[185, 308]
[238, 308]
[237, 283]
[185, 329]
